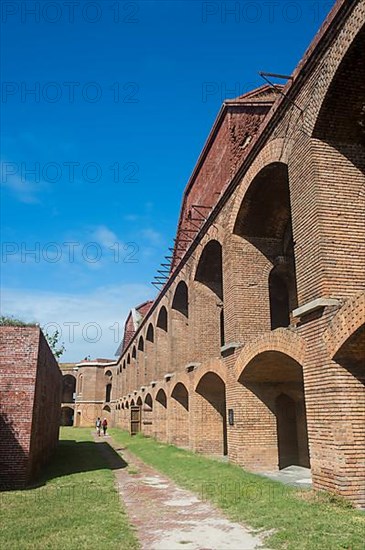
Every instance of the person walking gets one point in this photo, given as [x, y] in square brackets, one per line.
[98, 425]
[105, 425]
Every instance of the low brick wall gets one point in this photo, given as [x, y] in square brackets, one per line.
[30, 401]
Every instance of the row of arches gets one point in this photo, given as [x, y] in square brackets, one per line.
[218, 303]
[267, 408]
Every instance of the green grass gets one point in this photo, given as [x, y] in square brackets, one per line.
[299, 519]
[75, 503]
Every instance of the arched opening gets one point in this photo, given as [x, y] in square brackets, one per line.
[162, 344]
[129, 374]
[136, 416]
[147, 418]
[287, 429]
[135, 373]
[141, 344]
[108, 392]
[279, 299]
[67, 416]
[150, 354]
[179, 416]
[211, 415]
[69, 388]
[208, 307]
[273, 409]
[180, 337]
[338, 158]
[264, 221]
[222, 327]
[142, 374]
[160, 430]
[180, 301]
[341, 120]
[150, 333]
[106, 413]
[162, 320]
[148, 402]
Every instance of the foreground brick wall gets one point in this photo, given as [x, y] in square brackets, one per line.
[30, 404]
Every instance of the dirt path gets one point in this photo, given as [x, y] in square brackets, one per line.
[170, 518]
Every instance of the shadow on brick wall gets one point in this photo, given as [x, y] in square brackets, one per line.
[13, 459]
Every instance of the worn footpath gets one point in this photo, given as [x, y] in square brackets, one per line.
[167, 517]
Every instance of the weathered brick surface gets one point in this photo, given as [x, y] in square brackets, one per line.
[30, 404]
[289, 224]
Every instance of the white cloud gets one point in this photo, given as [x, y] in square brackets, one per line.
[24, 191]
[98, 315]
[25, 187]
[104, 236]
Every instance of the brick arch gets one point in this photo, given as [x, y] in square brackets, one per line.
[280, 340]
[214, 233]
[215, 366]
[345, 323]
[338, 56]
[180, 378]
[161, 385]
[277, 150]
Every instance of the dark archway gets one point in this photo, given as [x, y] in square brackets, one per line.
[160, 414]
[180, 301]
[264, 220]
[141, 344]
[108, 392]
[179, 416]
[209, 301]
[279, 299]
[162, 359]
[67, 416]
[69, 388]
[275, 394]
[162, 321]
[148, 402]
[341, 120]
[150, 333]
[287, 429]
[180, 336]
[211, 411]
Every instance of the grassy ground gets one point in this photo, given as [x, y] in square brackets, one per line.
[299, 519]
[75, 503]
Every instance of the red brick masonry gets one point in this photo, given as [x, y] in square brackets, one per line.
[30, 404]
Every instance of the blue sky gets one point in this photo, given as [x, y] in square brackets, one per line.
[124, 96]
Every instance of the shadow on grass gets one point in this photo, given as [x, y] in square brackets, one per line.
[74, 457]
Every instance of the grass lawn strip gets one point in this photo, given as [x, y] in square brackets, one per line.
[299, 519]
[75, 503]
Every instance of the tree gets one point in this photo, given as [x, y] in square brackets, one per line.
[54, 343]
